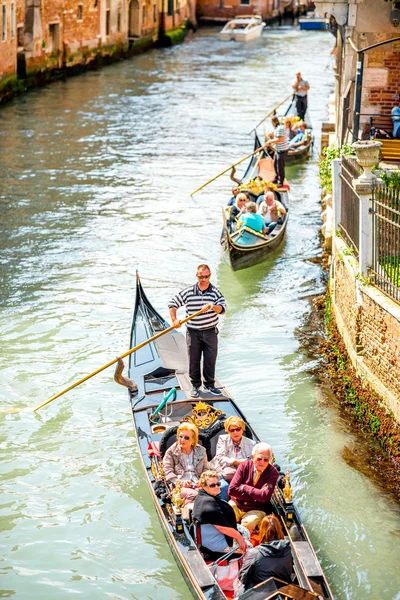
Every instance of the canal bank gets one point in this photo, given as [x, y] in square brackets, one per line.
[95, 186]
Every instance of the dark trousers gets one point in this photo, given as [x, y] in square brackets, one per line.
[202, 342]
[279, 166]
[301, 106]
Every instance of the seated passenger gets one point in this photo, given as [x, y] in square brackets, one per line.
[217, 519]
[272, 558]
[238, 207]
[232, 449]
[272, 211]
[235, 192]
[251, 219]
[252, 487]
[299, 138]
[185, 461]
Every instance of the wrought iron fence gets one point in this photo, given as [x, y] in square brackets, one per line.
[385, 271]
[350, 203]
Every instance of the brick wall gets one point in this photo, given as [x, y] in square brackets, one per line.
[380, 339]
[370, 329]
[8, 47]
[345, 299]
[383, 65]
[227, 9]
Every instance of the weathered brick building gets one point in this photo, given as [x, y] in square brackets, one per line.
[43, 37]
[366, 24]
[223, 10]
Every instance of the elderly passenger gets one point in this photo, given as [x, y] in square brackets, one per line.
[271, 210]
[238, 207]
[232, 449]
[252, 487]
[185, 461]
[217, 519]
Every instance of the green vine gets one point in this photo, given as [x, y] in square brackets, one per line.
[325, 159]
[392, 180]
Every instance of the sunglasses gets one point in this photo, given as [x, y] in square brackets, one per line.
[261, 458]
[184, 437]
[235, 429]
[203, 276]
[214, 485]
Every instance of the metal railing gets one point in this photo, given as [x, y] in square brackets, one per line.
[350, 203]
[385, 271]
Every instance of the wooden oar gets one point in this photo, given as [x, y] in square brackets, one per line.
[271, 112]
[72, 386]
[225, 170]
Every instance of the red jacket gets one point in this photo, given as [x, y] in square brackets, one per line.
[248, 496]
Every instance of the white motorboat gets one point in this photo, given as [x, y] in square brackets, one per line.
[244, 28]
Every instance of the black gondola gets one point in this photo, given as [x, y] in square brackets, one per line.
[302, 152]
[160, 371]
[246, 247]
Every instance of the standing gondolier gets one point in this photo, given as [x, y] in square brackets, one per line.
[281, 143]
[202, 332]
[301, 87]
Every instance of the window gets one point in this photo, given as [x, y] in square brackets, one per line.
[143, 15]
[247, 2]
[108, 16]
[20, 36]
[119, 20]
[12, 21]
[3, 23]
[80, 12]
[154, 12]
[54, 37]
[170, 7]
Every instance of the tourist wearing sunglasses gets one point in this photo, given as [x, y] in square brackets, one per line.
[232, 449]
[217, 519]
[252, 487]
[201, 331]
[185, 460]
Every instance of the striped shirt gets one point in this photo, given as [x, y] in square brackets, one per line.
[194, 299]
[280, 131]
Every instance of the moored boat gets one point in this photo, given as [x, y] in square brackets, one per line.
[244, 28]
[159, 404]
[245, 247]
[313, 21]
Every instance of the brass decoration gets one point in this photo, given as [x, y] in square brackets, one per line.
[176, 497]
[203, 415]
[154, 470]
[287, 490]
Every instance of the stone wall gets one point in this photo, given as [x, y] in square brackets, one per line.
[369, 323]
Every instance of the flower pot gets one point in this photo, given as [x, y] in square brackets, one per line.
[367, 156]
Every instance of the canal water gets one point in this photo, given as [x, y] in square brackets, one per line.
[95, 176]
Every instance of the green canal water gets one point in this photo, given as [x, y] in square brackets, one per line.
[95, 175]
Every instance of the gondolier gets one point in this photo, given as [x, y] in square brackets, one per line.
[202, 332]
[301, 87]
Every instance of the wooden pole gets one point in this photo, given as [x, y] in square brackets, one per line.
[73, 385]
[271, 112]
[228, 169]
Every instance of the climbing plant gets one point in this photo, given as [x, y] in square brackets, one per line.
[325, 159]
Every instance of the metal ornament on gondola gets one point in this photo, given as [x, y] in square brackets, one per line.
[287, 489]
[203, 415]
[176, 497]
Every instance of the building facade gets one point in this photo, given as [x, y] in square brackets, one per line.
[223, 10]
[43, 37]
[367, 62]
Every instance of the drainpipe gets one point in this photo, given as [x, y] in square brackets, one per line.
[358, 93]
